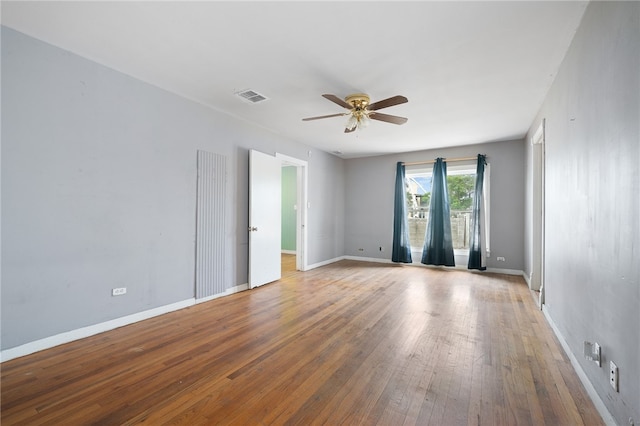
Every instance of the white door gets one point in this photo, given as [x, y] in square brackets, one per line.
[264, 218]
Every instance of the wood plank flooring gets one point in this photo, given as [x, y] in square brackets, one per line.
[351, 343]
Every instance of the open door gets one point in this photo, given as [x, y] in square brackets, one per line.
[264, 218]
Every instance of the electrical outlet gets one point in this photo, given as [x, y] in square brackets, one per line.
[500, 259]
[613, 375]
[592, 352]
[118, 291]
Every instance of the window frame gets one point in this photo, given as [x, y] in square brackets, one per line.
[453, 169]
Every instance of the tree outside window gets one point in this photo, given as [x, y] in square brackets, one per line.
[460, 189]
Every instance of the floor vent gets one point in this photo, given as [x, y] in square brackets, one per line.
[251, 96]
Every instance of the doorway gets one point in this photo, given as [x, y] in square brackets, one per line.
[537, 193]
[293, 213]
[289, 218]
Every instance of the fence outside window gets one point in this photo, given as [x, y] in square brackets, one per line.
[460, 228]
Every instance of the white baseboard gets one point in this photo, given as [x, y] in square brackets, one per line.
[232, 290]
[325, 262]
[288, 252]
[591, 391]
[505, 271]
[81, 333]
[457, 267]
[368, 259]
[358, 258]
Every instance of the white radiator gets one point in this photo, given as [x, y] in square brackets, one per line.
[210, 224]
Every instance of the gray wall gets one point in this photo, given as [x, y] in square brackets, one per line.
[592, 199]
[99, 191]
[369, 202]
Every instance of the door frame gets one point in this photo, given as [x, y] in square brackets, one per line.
[538, 213]
[301, 210]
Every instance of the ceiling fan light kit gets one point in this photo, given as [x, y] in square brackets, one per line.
[359, 118]
[362, 111]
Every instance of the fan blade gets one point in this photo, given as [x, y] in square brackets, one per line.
[337, 100]
[387, 118]
[325, 116]
[385, 103]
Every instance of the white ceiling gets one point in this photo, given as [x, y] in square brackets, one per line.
[472, 71]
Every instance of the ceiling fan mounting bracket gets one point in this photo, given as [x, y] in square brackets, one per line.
[358, 100]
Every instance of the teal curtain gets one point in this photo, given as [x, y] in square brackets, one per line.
[438, 245]
[401, 251]
[477, 255]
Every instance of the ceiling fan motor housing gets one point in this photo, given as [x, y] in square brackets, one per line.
[358, 100]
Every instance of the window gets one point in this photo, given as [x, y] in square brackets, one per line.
[461, 180]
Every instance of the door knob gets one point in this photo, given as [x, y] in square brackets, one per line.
[252, 228]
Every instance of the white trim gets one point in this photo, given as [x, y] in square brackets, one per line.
[80, 333]
[591, 391]
[291, 161]
[538, 136]
[368, 259]
[465, 268]
[288, 252]
[302, 176]
[227, 292]
[486, 213]
[421, 265]
[325, 262]
[537, 255]
[505, 271]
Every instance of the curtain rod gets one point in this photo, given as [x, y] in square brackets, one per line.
[416, 163]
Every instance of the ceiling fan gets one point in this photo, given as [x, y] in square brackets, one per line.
[361, 111]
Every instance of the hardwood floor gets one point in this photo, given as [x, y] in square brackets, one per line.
[348, 343]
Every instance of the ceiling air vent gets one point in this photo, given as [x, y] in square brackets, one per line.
[251, 96]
